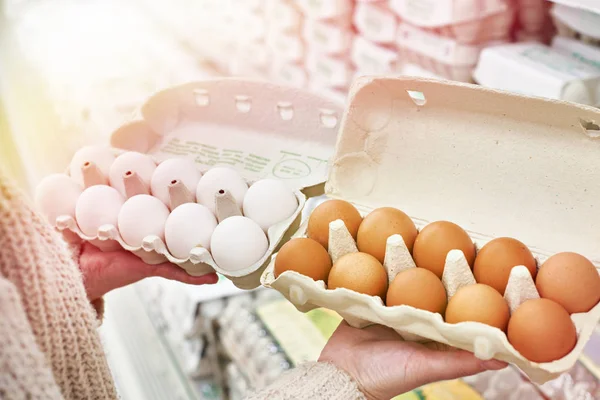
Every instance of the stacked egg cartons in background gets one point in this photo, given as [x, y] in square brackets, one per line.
[446, 37]
[328, 35]
[533, 21]
[284, 23]
[250, 57]
[373, 50]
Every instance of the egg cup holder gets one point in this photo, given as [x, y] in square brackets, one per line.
[285, 133]
[452, 151]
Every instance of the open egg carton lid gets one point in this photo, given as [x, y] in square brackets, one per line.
[259, 129]
[495, 163]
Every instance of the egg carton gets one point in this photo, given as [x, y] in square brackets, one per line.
[576, 23]
[290, 132]
[442, 150]
[376, 22]
[437, 13]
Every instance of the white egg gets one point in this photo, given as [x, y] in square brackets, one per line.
[180, 169]
[217, 179]
[98, 205]
[102, 156]
[189, 225]
[237, 243]
[142, 215]
[57, 195]
[268, 202]
[142, 164]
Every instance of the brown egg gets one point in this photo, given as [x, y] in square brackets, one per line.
[571, 280]
[435, 241]
[329, 211]
[379, 225]
[542, 331]
[497, 258]
[360, 272]
[478, 303]
[305, 256]
[419, 288]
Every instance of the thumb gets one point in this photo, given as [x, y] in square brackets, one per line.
[447, 365]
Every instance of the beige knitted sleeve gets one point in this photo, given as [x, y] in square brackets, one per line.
[24, 372]
[35, 259]
[314, 381]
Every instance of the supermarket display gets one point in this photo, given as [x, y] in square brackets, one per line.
[242, 159]
[426, 111]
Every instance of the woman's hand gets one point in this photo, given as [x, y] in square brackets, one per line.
[103, 272]
[384, 366]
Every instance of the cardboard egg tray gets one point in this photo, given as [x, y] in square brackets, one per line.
[259, 129]
[495, 163]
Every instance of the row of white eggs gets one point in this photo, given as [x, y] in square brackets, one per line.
[117, 192]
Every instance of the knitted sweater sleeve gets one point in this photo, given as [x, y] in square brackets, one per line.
[25, 371]
[35, 259]
[315, 381]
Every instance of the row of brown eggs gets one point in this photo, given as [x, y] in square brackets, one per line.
[540, 329]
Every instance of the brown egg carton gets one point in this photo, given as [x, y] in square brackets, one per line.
[285, 133]
[480, 158]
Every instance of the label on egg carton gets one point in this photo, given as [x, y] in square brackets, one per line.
[384, 168]
[325, 9]
[258, 129]
[435, 13]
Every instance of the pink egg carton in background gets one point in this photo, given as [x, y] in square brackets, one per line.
[290, 74]
[373, 59]
[533, 15]
[329, 71]
[285, 47]
[283, 16]
[376, 22]
[279, 132]
[326, 9]
[328, 37]
[438, 13]
[392, 130]
[441, 55]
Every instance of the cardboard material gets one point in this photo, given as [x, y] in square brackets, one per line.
[584, 22]
[259, 129]
[497, 164]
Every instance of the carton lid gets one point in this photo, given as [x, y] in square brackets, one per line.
[496, 163]
[260, 129]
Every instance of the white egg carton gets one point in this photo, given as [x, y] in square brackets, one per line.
[497, 164]
[436, 13]
[574, 22]
[279, 132]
